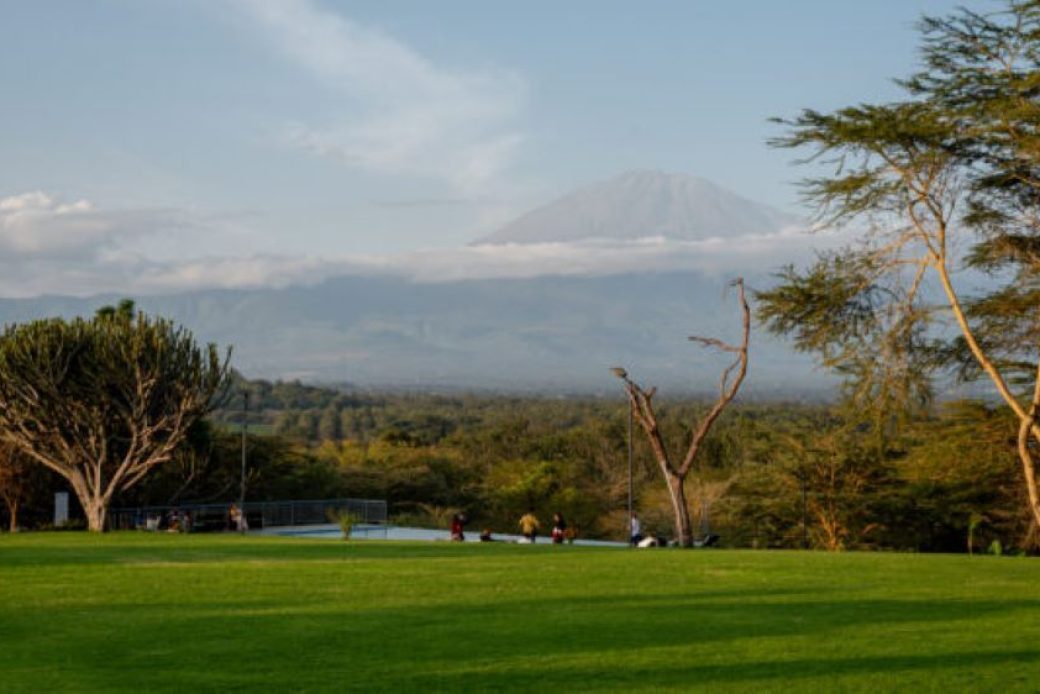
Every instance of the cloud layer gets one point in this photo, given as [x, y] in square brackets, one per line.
[55, 247]
[401, 112]
[38, 226]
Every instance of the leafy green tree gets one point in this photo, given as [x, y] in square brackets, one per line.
[960, 465]
[102, 402]
[841, 480]
[954, 167]
[330, 426]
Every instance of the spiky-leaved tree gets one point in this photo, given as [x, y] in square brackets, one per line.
[104, 401]
[945, 181]
[641, 402]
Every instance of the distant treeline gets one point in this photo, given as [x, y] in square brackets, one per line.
[773, 474]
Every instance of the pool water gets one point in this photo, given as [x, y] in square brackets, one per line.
[396, 532]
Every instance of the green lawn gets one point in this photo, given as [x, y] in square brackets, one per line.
[133, 612]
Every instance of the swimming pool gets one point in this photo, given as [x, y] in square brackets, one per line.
[397, 532]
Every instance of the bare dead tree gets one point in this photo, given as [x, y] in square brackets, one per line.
[641, 401]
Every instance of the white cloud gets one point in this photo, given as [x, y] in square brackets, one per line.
[48, 245]
[54, 247]
[241, 272]
[745, 255]
[402, 114]
[37, 225]
[715, 256]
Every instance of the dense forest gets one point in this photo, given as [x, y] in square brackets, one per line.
[773, 475]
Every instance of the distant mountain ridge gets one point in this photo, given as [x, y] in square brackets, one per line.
[549, 334]
[642, 204]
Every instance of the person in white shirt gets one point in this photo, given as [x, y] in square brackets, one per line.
[636, 534]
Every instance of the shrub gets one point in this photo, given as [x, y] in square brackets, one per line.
[345, 520]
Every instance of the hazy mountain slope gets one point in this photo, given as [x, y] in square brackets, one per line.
[555, 333]
[642, 204]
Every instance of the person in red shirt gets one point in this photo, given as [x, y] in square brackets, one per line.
[559, 529]
[456, 528]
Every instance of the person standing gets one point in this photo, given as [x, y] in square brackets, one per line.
[635, 530]
[456, 528]
[529, 525]
[238, 519]
[559, 528]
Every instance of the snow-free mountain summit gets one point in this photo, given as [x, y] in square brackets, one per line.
[644, 204]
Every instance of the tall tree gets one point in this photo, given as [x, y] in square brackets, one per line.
[641, 402]
[944, 181]
[104, 401]
[15, 481]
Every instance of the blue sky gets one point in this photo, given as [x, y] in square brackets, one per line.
[319, 128]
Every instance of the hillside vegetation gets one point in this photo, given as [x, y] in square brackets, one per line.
[772, 475]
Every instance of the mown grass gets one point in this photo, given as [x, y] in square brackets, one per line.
[134, 612]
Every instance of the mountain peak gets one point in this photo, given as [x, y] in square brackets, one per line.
[644, 203]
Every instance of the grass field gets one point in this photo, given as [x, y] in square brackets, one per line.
[134, 612]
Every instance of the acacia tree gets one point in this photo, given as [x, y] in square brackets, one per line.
[641, 402]
[840, 481]
[945, 181]
[104, 401]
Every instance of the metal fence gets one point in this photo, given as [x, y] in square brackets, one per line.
[259, 514]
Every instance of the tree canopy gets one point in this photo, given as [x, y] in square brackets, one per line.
[104, 401]
[944, 182]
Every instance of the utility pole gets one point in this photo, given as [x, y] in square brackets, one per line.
[805, 524]
[242, 487]
[622, 374]
[630, 418]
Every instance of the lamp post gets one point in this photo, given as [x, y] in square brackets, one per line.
[630, 417]
[623, 375]
[242, 486]
[805, 524]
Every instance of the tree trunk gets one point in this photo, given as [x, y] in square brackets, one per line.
[96, 509]
[683, 527]
[1027, 418]
[1029, 467]
[12, 510]
[95, 505]
[832, 529]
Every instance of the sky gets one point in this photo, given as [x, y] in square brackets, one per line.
[175, 144]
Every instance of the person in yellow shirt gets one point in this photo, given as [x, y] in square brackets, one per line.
[529, 525]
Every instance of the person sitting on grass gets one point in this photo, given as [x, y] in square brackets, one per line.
[485, 535]
[652, 540]
[529, 525]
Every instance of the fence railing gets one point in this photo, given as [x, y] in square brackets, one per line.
[259, 514]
